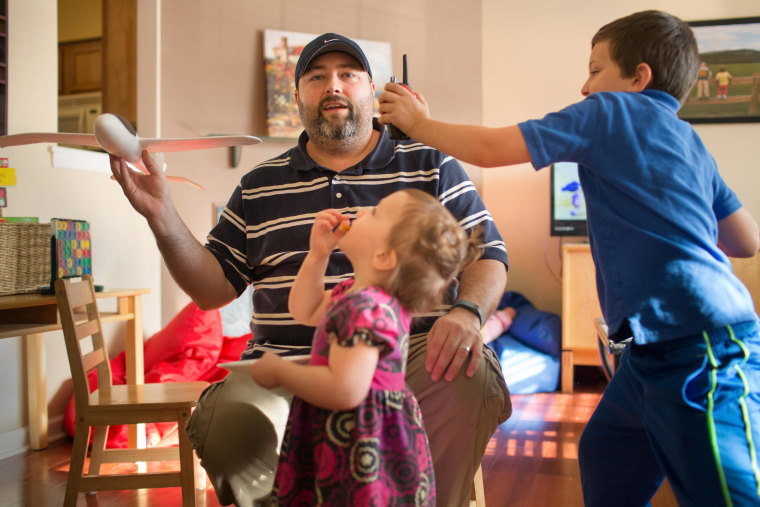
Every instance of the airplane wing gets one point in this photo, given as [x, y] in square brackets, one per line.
[195, 143]
[42, 137]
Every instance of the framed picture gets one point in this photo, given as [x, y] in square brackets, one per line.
[281, 52]
[728, 84]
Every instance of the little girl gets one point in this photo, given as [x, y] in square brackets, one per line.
[355, 433]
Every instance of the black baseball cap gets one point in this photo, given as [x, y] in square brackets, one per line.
[328, 43]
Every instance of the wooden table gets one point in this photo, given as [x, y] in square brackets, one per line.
[32, 315]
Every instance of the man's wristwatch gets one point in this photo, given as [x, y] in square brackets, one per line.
[470, 307]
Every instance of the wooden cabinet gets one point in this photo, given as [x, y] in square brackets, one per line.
[80, 66]
[748, 271]
[580, 308]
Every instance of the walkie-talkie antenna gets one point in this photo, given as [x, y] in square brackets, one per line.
[405, 71]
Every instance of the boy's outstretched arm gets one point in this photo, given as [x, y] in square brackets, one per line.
[474, 144]
[738, 234]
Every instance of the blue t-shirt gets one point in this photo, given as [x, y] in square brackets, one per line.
[263, 234]
[654, 198]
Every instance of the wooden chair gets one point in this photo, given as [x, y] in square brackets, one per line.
[477, 493]
[118, 404]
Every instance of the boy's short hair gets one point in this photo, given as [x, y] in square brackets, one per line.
[660, 40]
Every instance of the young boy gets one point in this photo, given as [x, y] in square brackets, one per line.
[685, 401]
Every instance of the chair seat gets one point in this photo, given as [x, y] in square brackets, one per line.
[147, 396]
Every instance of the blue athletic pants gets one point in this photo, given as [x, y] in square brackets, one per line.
[688, 409]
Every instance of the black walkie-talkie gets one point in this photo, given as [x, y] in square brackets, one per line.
[393, 131]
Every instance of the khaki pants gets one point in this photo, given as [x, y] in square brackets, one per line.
[237, 428]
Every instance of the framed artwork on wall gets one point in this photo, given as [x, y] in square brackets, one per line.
[728, 83]
[281, 52]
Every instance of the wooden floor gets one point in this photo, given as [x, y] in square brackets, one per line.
[531, 461]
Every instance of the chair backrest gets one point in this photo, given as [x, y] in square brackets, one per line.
[80, 320]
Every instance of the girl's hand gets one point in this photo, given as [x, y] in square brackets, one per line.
[325, 232]
[264, 371]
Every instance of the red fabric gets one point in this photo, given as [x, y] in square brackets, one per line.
[191, 341]
[188, 348]
[231, 350]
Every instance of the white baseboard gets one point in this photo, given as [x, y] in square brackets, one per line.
[17, 441]
[14, 442]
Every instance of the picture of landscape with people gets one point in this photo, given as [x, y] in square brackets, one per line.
[728, 85]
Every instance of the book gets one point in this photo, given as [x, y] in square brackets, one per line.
[21, 220]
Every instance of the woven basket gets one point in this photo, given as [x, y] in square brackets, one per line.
[24, 257]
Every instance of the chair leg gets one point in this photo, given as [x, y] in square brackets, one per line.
[98, 447]
[199, 473]
[477, 493]
[186, 462]
[76, 466]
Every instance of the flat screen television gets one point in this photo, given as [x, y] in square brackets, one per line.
[568, 206]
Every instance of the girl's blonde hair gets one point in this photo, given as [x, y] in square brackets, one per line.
[431, 247]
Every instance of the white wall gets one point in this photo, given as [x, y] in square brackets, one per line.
[124, 253]
[535, 59]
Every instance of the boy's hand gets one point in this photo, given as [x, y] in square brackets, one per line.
[403, 108]
[264, 371]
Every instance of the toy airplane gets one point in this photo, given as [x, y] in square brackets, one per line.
[115, 135]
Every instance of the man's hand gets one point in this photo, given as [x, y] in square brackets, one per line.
[453, 339]
[147, 193]
[403, 108]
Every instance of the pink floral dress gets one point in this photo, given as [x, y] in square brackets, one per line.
[376, 454]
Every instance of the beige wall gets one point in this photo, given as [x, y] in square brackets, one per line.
[213, 81]
[535, 58]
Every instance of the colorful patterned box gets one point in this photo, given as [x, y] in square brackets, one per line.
[70, 248]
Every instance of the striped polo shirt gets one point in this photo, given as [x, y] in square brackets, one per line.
[263, 234]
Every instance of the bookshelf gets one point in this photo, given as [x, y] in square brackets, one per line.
[3, 67]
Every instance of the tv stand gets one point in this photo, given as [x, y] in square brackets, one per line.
[580, 309]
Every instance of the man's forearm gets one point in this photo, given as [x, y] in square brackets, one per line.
[192, 266]
[483, 283]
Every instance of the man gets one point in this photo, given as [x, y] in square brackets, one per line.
[343, 160]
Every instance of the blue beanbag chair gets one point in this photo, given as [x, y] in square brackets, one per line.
[530, 351]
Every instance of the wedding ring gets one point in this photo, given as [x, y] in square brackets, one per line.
[464, 347]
